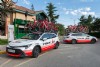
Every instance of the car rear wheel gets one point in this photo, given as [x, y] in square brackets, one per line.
[56, 45]
[74, 41]
[36, 52]
[93, 41]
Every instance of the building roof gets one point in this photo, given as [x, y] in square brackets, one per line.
[24, 9]
[21, 8]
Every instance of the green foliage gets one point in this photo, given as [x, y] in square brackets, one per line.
[96, 34]
[51, 9]
[3, 41]
[32, 7]
[96, 25]
[86, 21]
[61, 29]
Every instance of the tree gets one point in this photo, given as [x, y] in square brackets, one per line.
[86, 21]
[51, 9]
[5, 7]
[82, 20]
[32, 7]
[61, 28]
[96, 25]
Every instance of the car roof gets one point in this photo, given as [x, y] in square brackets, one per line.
[77, 33]
[42, 33]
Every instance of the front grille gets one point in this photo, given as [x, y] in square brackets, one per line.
[17, 51]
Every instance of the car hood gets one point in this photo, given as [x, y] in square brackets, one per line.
[21, 42]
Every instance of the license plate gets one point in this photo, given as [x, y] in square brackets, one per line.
[10, 50]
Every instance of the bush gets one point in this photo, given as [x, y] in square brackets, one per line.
[96, 34]
[3, 41]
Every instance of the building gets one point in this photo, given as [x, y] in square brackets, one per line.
[18, 17]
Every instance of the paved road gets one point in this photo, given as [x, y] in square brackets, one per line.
[67, 55]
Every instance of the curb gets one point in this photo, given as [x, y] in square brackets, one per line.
[2, 52]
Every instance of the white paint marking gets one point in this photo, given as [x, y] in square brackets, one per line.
[23, 63]
[70, 56]
[5, 62]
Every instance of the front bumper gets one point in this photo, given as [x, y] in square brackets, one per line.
[16, 53]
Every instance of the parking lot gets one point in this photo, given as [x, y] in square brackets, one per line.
[67, 55]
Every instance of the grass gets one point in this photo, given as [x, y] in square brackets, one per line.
[3, 41]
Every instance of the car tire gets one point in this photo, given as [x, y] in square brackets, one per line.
[35, 52]
[74, 41]
[56, 45]
[93, 41]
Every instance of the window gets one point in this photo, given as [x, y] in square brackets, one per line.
[45, 36]
[67, 34]
[85, 34]
[77, 34]
[31, 36]
[52, 35]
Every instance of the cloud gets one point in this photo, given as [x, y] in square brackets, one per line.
[27, 2]
[59, 3]
[86, 0]
[79, 11]
[87, 8]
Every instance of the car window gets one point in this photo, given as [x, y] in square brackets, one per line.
[52, 35]
[31, 36]
[85, 34]
[77, 34]
[67, 34]
[45, 36]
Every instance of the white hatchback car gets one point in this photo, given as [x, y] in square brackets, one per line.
[79, 38]
[32, 44]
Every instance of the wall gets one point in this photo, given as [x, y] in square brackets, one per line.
[22, 16]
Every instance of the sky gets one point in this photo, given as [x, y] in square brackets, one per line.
[69, 10]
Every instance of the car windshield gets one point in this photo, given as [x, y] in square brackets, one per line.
[31, 36]
[67, 34]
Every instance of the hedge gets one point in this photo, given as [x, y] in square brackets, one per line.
[3, 41]
[96, 34]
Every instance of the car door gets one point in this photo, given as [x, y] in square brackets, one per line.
[52, 40]
[87, 38]
[80, 38]
[46, 42]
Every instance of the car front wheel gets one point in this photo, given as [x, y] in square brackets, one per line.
[56, 45]
[36, 52]
[74, 41]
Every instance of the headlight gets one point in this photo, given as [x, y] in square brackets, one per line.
[8, 46]
[26, 46]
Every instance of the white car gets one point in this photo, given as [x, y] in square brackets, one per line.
[79, 38]
[32, 44]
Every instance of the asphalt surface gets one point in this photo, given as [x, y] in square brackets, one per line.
[67, 55]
